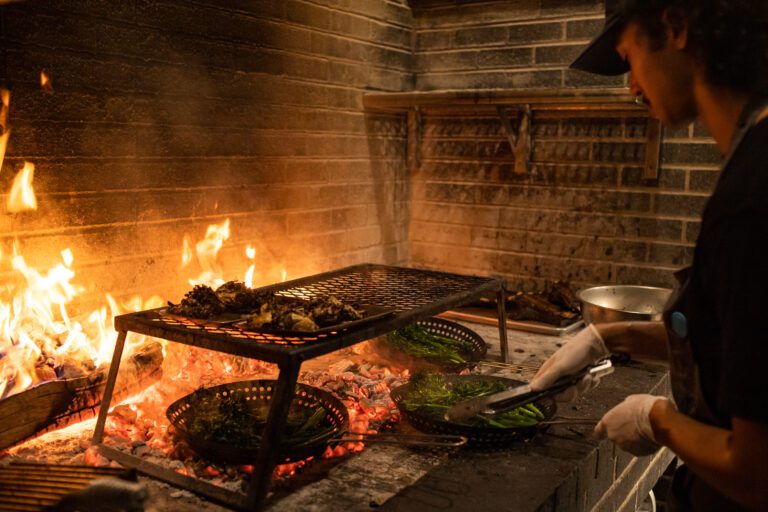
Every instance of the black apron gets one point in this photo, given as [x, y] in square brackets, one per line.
[688, 492]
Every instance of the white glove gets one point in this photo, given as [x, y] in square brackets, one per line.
[585, 348]
[629, 425]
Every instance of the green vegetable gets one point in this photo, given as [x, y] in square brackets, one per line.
[234, 420]
[416, 341]
[432, 395]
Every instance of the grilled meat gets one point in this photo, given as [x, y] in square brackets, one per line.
[200, 302]
[532, 306]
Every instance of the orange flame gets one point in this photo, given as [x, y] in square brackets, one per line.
[186, 252]
[5, 132]
[37, 332]
[22, 195]
[45, 82]
[250, 252]
[207, 251]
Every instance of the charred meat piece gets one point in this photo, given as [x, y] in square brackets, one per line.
[289, 314]
[532, 306]
[238, 298]
[200, 302]
[330, 310]
[560, 293]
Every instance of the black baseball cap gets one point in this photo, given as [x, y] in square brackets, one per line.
[600, 57]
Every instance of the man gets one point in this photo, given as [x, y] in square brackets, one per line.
[705, 59]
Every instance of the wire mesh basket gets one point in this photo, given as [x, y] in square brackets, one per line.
[256, 395]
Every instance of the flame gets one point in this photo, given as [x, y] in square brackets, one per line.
[22, 195]
[39, 340]
[45, 82]
[207, 250]
[5, 132]
[250, 252]
[186, 252]
[284, 276]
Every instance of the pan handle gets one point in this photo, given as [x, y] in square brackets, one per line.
[423, 440]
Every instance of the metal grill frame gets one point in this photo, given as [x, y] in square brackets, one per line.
[414, 294]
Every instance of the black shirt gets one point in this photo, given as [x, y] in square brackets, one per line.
[731, 273]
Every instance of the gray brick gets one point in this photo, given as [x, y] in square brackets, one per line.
[584, 29]
[681, 205]
[484, 36]
[434, 40]
[506, 58]
[703, 181]
[690, 153]
[535, 33]
[671, 255]
[646, 276]
[668, 179]
[650, 228]
[557, 54]
[572, 7]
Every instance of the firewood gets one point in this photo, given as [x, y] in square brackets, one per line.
[58, 403]
[531, 306]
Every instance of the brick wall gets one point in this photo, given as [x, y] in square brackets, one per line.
[166, 117]
[592, 220]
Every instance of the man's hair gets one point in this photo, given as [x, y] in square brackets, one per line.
[728, 37]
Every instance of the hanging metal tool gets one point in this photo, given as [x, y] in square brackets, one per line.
[520, 138]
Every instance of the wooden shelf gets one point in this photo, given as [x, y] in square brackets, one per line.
[489, 99]
[525, 105]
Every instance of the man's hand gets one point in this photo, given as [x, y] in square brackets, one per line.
[629, 425]
[585, 348]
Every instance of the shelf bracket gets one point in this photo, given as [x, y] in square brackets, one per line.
[415, 133]
[519, 139]
[653, 150]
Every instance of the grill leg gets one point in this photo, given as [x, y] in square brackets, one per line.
[501, 298]
[272, 435]
[109, 387]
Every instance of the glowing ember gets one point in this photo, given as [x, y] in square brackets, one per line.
[22, 195]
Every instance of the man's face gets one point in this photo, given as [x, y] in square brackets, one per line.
[663, 76]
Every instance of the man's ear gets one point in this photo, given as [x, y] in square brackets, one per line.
[676, 24]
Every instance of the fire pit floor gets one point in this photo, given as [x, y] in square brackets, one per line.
[561, 469]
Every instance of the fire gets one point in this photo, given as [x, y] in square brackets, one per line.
[284, 276]
[250, 253]
[45, 82]
[39, 340]
[22, 195]
[5, 131]
[186, 252]
[207, 250]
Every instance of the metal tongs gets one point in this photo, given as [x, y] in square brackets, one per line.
[414, 440]
[503, 401]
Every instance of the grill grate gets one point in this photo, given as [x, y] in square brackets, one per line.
[30, 486]
[413, 294]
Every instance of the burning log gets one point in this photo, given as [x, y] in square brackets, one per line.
[59, 403]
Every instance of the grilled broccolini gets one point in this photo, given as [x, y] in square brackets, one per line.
[416, 341]
[431, 394]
